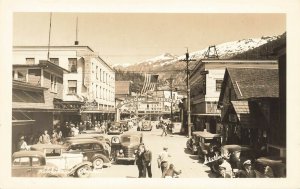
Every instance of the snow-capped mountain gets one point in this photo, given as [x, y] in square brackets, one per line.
[224, 50]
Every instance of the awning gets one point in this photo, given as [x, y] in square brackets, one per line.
[22, 118]
[243, 113]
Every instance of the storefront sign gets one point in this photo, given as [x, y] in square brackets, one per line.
[147, 100]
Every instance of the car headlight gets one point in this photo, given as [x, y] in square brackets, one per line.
[85, 158]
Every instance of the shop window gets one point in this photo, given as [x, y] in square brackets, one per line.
[72, 87]
[73, 65]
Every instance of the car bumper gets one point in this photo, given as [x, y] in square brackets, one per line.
[125, 158]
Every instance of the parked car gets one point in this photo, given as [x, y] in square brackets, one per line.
[125, 146]
[193, 143]
[115, 129]
[124, 125]
[208, 143]
[146, 125]
[270, 166]
[71, 164]
[94, 151]
[92, 131]
[30, 164]
[99, 137]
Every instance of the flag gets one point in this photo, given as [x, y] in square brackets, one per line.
[149, 83]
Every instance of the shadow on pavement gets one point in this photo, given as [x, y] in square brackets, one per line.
[194, 157]
[130, 177]
[187, 151]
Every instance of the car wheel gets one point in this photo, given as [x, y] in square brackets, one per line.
[98, 163]
[83, 172]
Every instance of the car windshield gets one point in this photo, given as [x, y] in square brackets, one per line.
[209, 140]
[131, 139]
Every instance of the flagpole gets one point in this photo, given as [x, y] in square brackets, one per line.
[48, 55]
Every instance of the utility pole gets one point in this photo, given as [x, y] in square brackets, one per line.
[187, 60]
[49, 37]
[171, 89]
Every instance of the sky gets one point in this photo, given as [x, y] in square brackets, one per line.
[127, 38]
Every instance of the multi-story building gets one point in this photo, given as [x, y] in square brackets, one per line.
[205, 83]
[35, 90]
[89, 85]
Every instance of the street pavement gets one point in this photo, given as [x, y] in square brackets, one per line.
[181, 158]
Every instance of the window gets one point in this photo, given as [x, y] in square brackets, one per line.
[218, 84]
[35, 161]
[22, 161]
[52, 152]
[30, 61]
[72, 87]
[97, 72]
[98, 147]
[73, 65]
[53, 87]
[54, 61]
[100, 74]
[100, 92]
[87, 146]
[96, 91]
[103, 77]
[20, 75]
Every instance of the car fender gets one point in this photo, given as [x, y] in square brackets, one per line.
[105, 159]
[84, 163]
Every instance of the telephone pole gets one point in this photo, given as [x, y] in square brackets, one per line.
[187, 60]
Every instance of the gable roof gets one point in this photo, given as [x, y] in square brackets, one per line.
[254, 82]
[122, 87]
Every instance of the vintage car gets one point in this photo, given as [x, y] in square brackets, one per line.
[146, 125]
[92, 131]
[124, 125]
[31, 164]
[72, 164]
[99, 137]
[94, 151]
[270, 166]
[115, 129]
[193, 143]
[209, 143]
[125, 146]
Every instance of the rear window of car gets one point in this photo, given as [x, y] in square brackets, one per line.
[21, 161]
[52, 152]
[36, 161]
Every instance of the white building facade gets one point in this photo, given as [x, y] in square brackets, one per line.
[90, 82]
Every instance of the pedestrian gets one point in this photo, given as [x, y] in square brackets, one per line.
[22, 145]
[163, 160]
[147, 161]
[139, 159]
[164, 128]
[45, 138]
[55, 137]
[248, 172]
[171, 172]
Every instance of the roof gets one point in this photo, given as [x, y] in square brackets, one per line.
[236, 147]
[47, 146]
[254, 82]
[122, 87]
[206, 134]
[28, 154]
[241, 107]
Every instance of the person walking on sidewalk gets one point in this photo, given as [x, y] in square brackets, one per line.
[163, 160]
[164, 128]
[147, 161]
[139, 160]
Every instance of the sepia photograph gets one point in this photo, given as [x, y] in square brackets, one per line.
[147, 96]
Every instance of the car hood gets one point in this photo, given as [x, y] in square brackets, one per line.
[128, 144]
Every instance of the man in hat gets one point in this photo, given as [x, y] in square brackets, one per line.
[248, 172]
[163, 159]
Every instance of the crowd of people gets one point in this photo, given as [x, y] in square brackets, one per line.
[68, 129]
